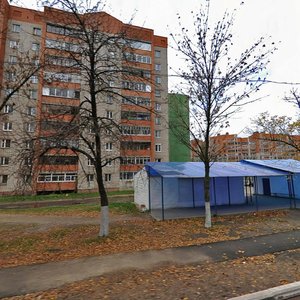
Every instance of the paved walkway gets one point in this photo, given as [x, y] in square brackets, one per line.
[26, 279]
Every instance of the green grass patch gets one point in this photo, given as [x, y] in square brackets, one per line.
[62, 196]
[22, 244]
[122, 208]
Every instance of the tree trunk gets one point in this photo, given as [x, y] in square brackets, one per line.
[207, 196]
[104, 221]
[104, 216]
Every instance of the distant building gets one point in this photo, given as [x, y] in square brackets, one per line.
[179, 136]
[230, 147]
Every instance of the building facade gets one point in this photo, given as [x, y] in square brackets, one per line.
[44, 46]
[230, 147]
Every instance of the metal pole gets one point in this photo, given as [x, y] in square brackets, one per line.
[214, 182]
[293, 190]
[228, 190]
[255, 190]
[149, 192]
[162, 199]
[193, 186]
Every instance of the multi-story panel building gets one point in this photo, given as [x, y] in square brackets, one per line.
[52, 96]
[230, 147]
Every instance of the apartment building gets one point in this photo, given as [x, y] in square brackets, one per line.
[52, 95]
[231, 147]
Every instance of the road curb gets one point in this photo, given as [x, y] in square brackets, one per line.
[287, 291]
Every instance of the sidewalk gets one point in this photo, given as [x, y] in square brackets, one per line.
[27, 279]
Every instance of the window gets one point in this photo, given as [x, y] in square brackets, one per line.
[5, 143]
[157, 93]
[62, 93]
[12, 59]
[4, 161]
[127, 175]
[90, 177]
[108, 146]
[8, 108]
[30, 127]
[29, 144]
[157, 121]
[158, 67]
[109, 114]
[109, 99]
[31, 111]
[90, 162]
[7, 126]
[28, 161]
[107, 177]
[157, 54]
[3, 179]
[33, 94]
[37, 31]
[57, 177]
[16, 27]
[135, 130]
[158, 133]
[157, 79]
[157, 106]
[157, 147]
[137, 58]
[35, 61]
[34, 79]
[13, 44]
[140, 45]
[157, 159]
[108, 162]
[35, 46]
[11, 76]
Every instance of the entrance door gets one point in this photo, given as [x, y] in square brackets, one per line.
[266, 186]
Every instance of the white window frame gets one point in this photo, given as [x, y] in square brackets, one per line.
[4, 161]
[13, 44]
[107, 177]
[37, 31]
[30, 127]
[157, 53]
[35, 46]
[90, 178]
[109, 146]
[16, 28]
[6, 143]
[158, 134]
[31, 111]
[7, 126]
[157, 106]
[34, 79]
[109, 114]
[157, 67]
[12, 59]
[8, 108]
[158, 147]
[157, 120]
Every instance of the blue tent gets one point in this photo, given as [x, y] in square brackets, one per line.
[181, 185]
[276, 186]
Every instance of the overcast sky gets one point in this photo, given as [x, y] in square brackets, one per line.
[255, 18]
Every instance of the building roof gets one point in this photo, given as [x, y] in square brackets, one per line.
[288, 165]
[217, 169]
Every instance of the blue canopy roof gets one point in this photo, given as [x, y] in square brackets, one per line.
[288, 165]
[217, 169]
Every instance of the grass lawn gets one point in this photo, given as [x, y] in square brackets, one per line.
[130, 231]
[20, 198]
[75, 210]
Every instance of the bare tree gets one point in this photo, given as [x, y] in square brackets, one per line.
[217, 83]
[98, 52]
[280, 129]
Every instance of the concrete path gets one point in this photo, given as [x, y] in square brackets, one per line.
[26, 279]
